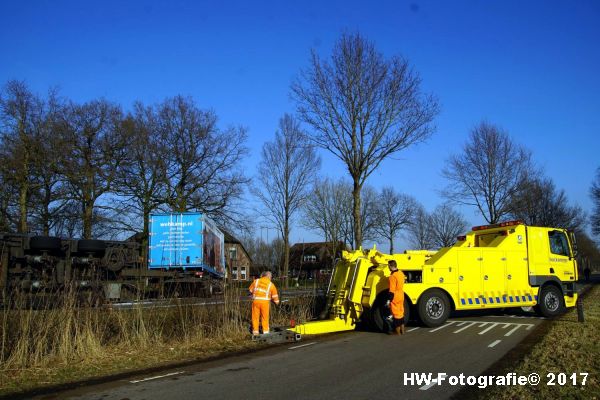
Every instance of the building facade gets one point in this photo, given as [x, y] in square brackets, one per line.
[237, 260]
[314, 260]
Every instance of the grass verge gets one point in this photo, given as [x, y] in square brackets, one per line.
[568, 347]
[54, 345]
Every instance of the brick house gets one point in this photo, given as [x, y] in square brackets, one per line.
[314, 260]
[237, 260]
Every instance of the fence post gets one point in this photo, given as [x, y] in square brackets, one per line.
[580, 317]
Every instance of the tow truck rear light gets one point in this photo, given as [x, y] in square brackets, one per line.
[500, 225]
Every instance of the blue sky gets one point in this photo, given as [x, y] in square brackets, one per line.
[532, 67]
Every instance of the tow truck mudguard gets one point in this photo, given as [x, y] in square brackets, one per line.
[569, 288]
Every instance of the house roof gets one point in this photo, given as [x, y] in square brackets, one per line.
[229, 238]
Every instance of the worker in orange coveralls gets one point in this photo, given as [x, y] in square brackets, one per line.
[396, 298]
[262, 291]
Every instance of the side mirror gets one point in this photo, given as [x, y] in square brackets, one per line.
[573, 243]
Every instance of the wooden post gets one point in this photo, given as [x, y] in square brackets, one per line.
[580, 317]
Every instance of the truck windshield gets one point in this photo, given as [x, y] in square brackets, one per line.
[558, 243]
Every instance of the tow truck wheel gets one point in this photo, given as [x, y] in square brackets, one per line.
[433, 308]
[551, 302]
[379, 313]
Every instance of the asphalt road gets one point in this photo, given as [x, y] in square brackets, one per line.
[352, 365]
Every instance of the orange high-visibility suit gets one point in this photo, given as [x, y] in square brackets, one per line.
[397, 289]
[263, 291]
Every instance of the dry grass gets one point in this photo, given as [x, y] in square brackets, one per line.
[57, 344]
[568, 347]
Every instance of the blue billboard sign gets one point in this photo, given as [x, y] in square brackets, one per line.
[186, 240]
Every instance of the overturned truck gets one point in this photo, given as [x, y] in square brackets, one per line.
[102, 270]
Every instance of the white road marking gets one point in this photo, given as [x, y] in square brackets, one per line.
[494, 343]
[466, 324]
[412, 329]
[512, 330]
[465, 327]
[302, 345]
[442, 327]
[157, 377]
[488, 328]
[433, 383]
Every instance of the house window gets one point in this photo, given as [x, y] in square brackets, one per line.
[232, 253]
[243, 273]
[310, 258]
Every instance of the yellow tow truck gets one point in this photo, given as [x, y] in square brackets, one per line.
[503, 265]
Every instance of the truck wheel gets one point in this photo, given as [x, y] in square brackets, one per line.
[433, 308]
[379, 313]
[551, 302]
[91, 246]
[44, 243]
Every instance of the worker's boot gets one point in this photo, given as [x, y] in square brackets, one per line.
[398, 330]
[389, 321]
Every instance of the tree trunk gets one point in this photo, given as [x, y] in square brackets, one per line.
[23, 190]
[391, 244]
[145, 236]
[356, 214]
[88, 215]
[286, 252]
[46, 210]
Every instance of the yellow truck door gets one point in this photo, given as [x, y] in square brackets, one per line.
[469, 278]
[517, 278]
[560, 260]
[493, 272]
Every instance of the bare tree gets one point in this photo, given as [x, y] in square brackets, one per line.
[595, 194]
[7, 196]
[363, 109]
[420, 234]
[202, 162]
[264, 254]
[446, 224]
[22, 118]
[323, 210]
[94, 150]
[285, 174]
[488, 173]
[368, 215]
[539, 203]
[394, 212]
[51, 194]
[329, 211]
[588, 253]
[141, 180]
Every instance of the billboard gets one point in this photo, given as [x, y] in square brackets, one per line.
[186, 240]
